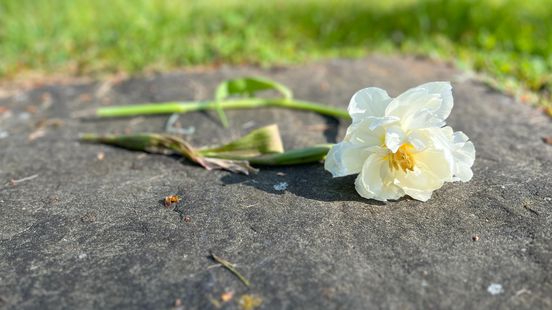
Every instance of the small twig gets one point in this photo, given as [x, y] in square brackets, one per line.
[14, 182]
[214, 266]
[214, 301]
[230, 267]
[531, 210]
[522, 291]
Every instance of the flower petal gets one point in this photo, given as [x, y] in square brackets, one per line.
[445, 90]
[346, 158]
[394, 138]
[364, 132]
[375, 180]
[373, 123]
[427, 105]
[463, 152]
[370, 101]
[432, 169]
[418, 139]
[460, 149]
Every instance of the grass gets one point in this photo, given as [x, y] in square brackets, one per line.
[507, 40]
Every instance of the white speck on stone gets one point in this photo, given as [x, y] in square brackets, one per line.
[282, 186]
[495, 289]
[24, 116]
[21, 96]
[183, 131]
[82, 256]
[547, 198]
[247, 125]
[502, 186]
[3, 134]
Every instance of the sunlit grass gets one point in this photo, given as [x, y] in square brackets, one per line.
[510, 40]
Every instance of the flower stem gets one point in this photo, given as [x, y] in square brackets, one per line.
[245, 103]
[293, 157]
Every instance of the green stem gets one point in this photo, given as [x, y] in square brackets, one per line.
[191, 106]
[292, 157]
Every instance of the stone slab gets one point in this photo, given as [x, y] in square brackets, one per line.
[88, 233]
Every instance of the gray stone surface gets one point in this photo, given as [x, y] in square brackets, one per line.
[88, 233]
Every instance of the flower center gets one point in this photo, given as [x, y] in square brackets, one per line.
[403, 158]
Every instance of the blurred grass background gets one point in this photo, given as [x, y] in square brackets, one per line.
[507, 40]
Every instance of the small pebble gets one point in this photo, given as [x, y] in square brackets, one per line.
[475, 237]
[495, 289]
[88, 217]
[282, 186]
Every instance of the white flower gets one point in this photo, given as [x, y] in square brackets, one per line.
[400, 146]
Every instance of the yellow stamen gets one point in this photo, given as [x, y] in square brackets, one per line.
[403, 158]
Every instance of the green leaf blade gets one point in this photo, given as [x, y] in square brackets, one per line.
[249, 86]
[265, 140]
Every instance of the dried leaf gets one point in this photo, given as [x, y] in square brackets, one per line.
[4, 110]
[250, 302]
[236, 166]
[549, 111]
[41, 127]
[547, 140]
[168, 144]
[227, 296]
[171, 199]
[38, 133]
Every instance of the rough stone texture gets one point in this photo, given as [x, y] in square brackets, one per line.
[89, 233]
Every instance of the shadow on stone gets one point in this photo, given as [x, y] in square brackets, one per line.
[331, 132]
[308, 181]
